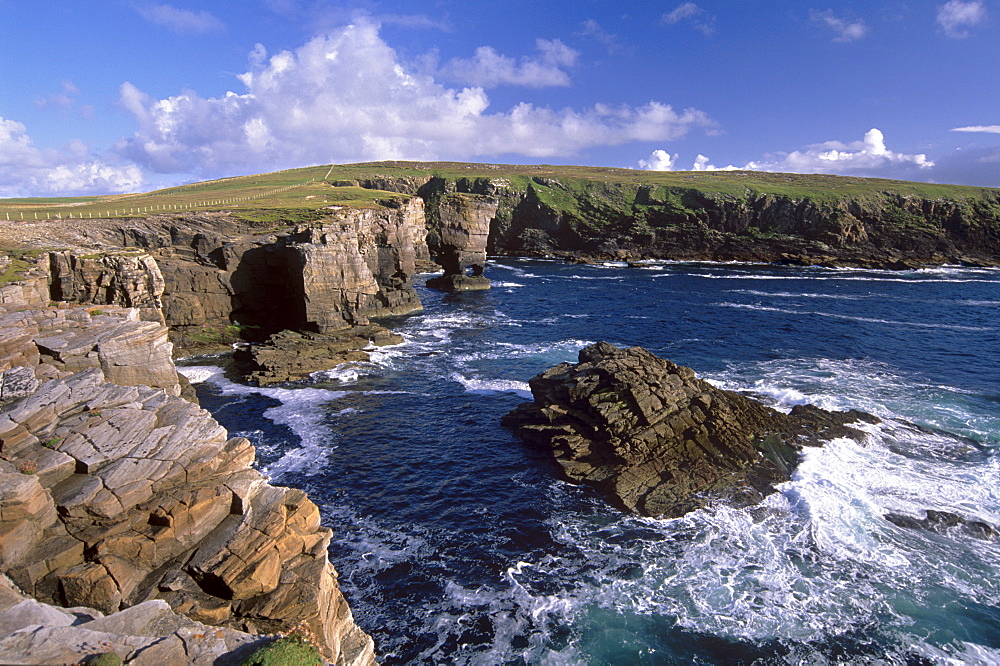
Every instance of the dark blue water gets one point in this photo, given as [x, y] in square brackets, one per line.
[456, 543]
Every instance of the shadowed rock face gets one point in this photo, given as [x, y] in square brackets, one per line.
[659, 441]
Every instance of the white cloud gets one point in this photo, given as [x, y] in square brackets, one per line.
[29, 171]
[179, 20]
[489, 69]
[846, 31]
[869, 158]
[659, 160]
[988, 129]
[686, 10]
[702, 163]
[956, 17]
[345, 97]
[593, 29]
[690, 11]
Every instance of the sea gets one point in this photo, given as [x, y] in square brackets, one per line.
[457, 543]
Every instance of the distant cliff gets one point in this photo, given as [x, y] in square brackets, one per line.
[775, 218]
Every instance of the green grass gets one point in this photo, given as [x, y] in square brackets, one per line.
[21, 261]
[300, 195]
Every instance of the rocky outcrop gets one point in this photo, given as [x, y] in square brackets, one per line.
[114, 493]
[946, 522]
[601, 214]
[659, 441]
[210, 272]
[126, 279]
[147, 633]
[457, 240]
[290, 355]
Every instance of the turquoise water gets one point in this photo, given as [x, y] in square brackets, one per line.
[457, 543]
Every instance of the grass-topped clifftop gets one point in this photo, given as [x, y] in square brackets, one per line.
[320, 187]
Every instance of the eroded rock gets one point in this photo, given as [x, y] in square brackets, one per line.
[112, 496]
[659, 441]
[290, 356]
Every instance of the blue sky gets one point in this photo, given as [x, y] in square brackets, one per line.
[102, 96]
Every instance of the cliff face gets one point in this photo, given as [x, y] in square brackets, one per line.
[115, 492]
[628, 221]
[590, 219]
[214, 277]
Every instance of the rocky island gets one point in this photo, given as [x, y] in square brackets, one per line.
[657, 440]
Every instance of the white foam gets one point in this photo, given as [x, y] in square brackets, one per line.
[870, 320]
[786, 397]
[474, 385]
[300, 409]
[197, 374]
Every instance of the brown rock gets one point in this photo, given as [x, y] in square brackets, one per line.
[659, 441]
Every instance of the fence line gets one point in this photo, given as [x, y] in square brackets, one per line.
[14, 216]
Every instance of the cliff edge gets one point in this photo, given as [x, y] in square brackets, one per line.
[116, 492]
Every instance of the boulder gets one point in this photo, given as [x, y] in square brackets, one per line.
[657, 440]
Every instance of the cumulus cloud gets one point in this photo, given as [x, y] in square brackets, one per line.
[869, 158]
[689, 11]
[956, 17]
[182, 21]
[29, 171]
[702, 163]
[345, 96]
[845, 31]
[489, 69]
[988, 129]
[659, 160]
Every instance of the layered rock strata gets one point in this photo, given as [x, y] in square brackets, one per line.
[114, 492]
[622, 218]
[219, 278]
[148, 633]
[659, 441]
[457, 240]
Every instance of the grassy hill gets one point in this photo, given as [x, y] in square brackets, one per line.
[309, 188]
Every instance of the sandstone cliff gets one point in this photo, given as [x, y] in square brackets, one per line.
[115, 492]
[659, 441]
[215, 279]
[774, 218]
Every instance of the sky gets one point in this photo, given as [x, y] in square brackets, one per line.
[109, 96]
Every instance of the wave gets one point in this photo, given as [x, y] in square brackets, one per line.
[870, 320]
[787, 294]
[474, 385]
[554, 352]
[871, 386]
[302, 410]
